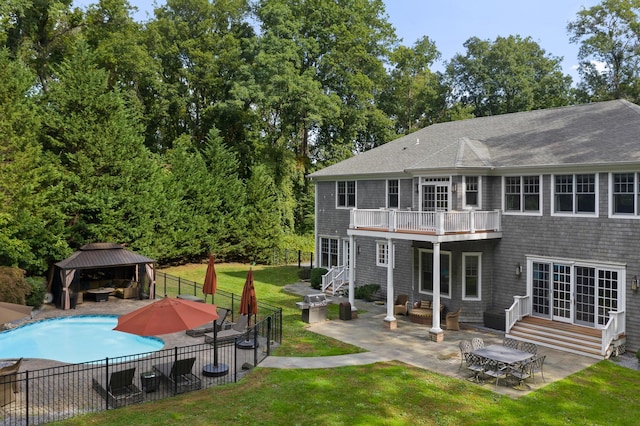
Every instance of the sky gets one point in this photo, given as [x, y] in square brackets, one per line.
[449, 23]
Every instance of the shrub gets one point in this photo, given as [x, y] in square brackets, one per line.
[304, 273]
[316, 277]
[38, 291]
[366, 292]
[13, 285]
[638, 355]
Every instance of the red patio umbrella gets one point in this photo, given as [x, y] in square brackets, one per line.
[166, 316]
[12, 312]
[210, 280]
[248, 301]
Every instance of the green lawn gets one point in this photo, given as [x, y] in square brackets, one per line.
[383, 393]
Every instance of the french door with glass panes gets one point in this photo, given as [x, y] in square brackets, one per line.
[435, 198]
[575, 293]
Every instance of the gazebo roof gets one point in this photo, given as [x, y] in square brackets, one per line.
[97, 255]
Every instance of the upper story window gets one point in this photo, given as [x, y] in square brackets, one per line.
[472, 191]
[346, 193]
[575, 194]
[522, 194]
[393, 194]
[624, 194]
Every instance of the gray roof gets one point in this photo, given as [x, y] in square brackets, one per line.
[99, 255]
[604, 133]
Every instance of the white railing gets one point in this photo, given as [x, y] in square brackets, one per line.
[614, 328]
[335, 278]
[517, 311]
[439, 223]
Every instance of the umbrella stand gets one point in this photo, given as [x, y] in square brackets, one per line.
[215, 369]
[249, 342]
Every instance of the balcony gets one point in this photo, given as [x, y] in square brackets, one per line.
[427, 223]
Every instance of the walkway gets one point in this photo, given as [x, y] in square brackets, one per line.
[410, 343]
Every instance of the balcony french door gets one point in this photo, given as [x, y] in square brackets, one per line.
[435, 198]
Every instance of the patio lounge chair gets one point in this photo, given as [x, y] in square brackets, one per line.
[238, 330]
[120, 390]
[9, 382]
[179, 375]
[200, 331]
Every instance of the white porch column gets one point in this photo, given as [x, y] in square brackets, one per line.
[435, 322]
[352, 272]
[390, 319]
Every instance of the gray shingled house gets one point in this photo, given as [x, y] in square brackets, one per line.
[528, 222]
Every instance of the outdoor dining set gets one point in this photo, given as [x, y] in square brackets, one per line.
[512, 360]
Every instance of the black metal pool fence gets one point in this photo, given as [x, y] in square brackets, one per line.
[64, 391]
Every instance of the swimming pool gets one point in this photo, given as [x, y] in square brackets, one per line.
[74, 339]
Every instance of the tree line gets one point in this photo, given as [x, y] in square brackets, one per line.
[193, 132]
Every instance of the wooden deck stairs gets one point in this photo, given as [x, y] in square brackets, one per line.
[565, 337]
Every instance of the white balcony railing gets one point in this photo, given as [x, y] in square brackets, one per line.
[439, 223]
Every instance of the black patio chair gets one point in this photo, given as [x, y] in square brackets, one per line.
[179, 375]
[119, 391]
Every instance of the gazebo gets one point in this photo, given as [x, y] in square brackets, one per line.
[109, 257]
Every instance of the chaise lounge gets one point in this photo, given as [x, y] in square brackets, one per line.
[179, 375]
[120, 390]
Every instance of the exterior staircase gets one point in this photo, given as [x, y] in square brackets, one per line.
[565, 337]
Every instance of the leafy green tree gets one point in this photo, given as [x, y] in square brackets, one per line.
[508, 75]
[414, 96]
[96, 134]
[609, 39]
[31, 221]
[41, 33]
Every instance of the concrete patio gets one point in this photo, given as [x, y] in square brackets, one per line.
[410, 343]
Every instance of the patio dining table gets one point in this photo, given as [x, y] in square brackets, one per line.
[503, 354]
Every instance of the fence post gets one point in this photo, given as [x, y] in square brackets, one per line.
[235, 359]
[106, 381]
[269, 334]
[255, 345]
[311, 260]
[26, 385]
[299, 258]
[175, 360]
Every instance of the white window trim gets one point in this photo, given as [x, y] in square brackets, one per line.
[464, 275]
[464, 194]
[636, 188]
[387, 193]
[379, 244]
[522, 212]
[567, 214]
[355, 195]
[329, 237]
[430, 251]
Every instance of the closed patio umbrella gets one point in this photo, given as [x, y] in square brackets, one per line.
[248, 306]
[166, 316]
[209, 287]
[210, 280]
[13, 312]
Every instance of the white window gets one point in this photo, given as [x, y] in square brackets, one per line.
[328, 252]
[426, 272]
[472, 273]
[346, 253]
[393, 194]
[623, 199]
[382, 253]
[575, 194]
[346, 193]
[471, 191]
[522, 194]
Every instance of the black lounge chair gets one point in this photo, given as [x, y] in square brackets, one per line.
[179, 375]
[238, 329]
[200, 331]
[120, 390]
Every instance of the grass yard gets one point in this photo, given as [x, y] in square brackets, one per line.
[383, 393]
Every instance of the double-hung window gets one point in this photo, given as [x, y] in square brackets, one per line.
[346, 193]
[522, 194]
[471, 266]
[472, 191]
[328, 252]
[393, 194]
[575, 194]
[382, 253]
[426, 272]
[624, 194]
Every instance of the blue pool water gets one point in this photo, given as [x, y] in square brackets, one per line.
[74, 339]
